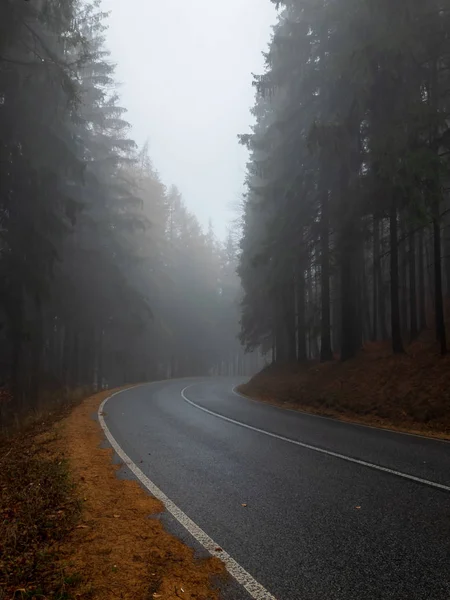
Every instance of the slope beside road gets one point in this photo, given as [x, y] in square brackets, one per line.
[308, 508]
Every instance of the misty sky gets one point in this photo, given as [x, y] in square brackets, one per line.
[185, 72]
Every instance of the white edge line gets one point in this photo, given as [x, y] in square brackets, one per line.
[335, 420]
[357, 461]
[255, 589]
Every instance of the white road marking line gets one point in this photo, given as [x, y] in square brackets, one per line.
[352, 423]
[357, 461]
[255, 589]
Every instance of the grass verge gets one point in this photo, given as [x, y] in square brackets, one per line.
[409, 393]
[74, 530]
[39, 508]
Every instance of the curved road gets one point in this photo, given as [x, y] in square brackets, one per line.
[321, 520]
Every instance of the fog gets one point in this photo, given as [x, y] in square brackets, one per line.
[185, 73]
[316, 140]
[111, 274]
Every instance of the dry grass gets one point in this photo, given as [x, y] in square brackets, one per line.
[408, 393]
[71, 529]
[39, 508]
[121, 552]
[52, 405]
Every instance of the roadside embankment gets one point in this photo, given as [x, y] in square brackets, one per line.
[72, 529]
[409, 392]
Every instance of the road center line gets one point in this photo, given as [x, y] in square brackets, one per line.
[255, 589]
[357, 461]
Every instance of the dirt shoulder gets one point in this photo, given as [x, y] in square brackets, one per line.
[408, 393]
[111, 547]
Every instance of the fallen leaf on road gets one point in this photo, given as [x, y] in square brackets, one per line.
[244, 505]
[357, 507]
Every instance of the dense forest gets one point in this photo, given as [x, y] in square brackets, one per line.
[107, 278]
[105, 275]
[346, 217]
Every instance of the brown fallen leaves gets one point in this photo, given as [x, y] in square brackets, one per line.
[408, 392]
[120, 552]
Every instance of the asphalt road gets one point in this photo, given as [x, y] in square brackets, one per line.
[316, 526]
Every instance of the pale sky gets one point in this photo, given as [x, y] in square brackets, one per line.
[185, 72]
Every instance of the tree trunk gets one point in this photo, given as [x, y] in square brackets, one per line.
[447, 251]
[100, 360]
[412, 285]
[289, 321]
[439, 304]
[274, 349]
[310, 309]
[326, 353]
[422, 298]
[397, 342]
[350, 319]
[301, 320]
[350, 295]
[347, 311]
[36, 349]
[375, 276]
[66, 358]
[317, 315]
[382, 295]
[403, 278]
[16, 332]
[336, 311]
[16, 383]
[350, 249]
[436, 196]
[75, 360]
[365, 315]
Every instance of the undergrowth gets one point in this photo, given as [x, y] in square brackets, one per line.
[38, 509]
[408, 391]
[52, 406]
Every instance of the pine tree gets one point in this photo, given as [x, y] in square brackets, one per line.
[347, 162]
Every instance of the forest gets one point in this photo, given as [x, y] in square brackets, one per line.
[138, 458]
[346, 220]
[106, 277]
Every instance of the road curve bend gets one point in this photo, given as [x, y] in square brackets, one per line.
[299, 507]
